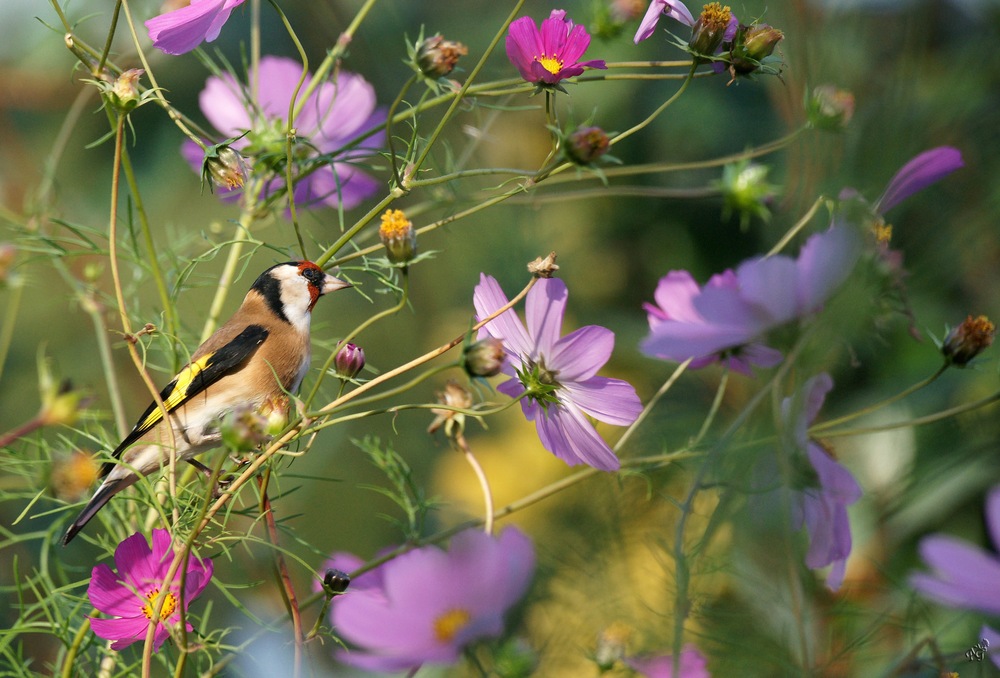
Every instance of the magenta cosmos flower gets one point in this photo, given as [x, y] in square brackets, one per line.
[337, 112]
[427, 605]
[692, 665]
[184, 29]
[130, 594]
[558, 373]
[672, 8]
[964, 575]
[821, 505]
[551, 54]
[724, 320]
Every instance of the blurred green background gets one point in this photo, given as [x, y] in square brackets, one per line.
[924, 74]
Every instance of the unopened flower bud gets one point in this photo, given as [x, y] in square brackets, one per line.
[335, 582]
[349, 361]
[398, 236]
[543, 268]
[709, 30]
[61, 404]
[275, 412]
[752, 45]
[587, 144]
[72, 476]
[226, 167]
[483, 358]
[830, 108]
[746, 191]
[968, 340]
[123, 93]
[612, 644]
[244, 429]
[437, 57]
[453, 395]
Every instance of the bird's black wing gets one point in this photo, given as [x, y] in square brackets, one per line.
[192, 380]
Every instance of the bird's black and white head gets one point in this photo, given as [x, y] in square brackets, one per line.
[292, 289]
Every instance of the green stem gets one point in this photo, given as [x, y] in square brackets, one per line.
[388, 130]
[110, 39]
[74, 648]
[820, 428]
[403, 388]
[655, 114]
[671, 380]
[714, 409]
[10, 319]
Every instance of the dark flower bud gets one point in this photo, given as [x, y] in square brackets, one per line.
[830, 108]
[437, 57]
[709, 30]
[349, 361]
[335, 582]
[968, 340]
[587, 144]
[398, 236]
[483, 358]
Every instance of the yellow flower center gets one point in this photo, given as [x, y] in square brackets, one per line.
[715, 15]
[551, 64]
[883, 233]
[169, 604]
[394, 225]
[447, 626]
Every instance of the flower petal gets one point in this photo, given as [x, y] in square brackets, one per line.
[183, 29]
[565, 432]
[612, 401]
[824, 263]
[965, 575]
[919, 173]
[579, 354]
[487, 298]
[543, 311]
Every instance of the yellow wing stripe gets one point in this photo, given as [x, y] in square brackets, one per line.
[179, 392]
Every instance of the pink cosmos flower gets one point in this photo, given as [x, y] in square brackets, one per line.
[821, 507]
[130, 594]
[692, 665]
[964, 575]
[427, 605]
[547, 56]
[337, 112]
[558, 373]
[184, 29]
[724, 320]
[672, 8]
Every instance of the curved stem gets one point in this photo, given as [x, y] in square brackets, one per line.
[655, 114]
[794, 230]
[484, 483]
[388, 130]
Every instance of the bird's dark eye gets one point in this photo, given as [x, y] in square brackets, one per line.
[313, 275]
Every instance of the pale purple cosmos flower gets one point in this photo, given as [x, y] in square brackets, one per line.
[919, 173]
[725, 319]
[338, 111]
[184, 29]
[692, 665]
[964, 575]
[822, 507]
[559, 373]
[672, 8]
[130, 594]
[427, 605]
[551, 54]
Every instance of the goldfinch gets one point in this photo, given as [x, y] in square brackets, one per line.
[259, 356]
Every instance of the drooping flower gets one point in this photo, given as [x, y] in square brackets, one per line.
[558, 373]
[184, 29]
[427, 605]
[336, 113]
[822, 504]
[672, 8]
[551, 54]
[725, 319]
[963, 575]
[692, 665]
[131, 593]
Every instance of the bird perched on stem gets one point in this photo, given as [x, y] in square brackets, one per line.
[254, 360]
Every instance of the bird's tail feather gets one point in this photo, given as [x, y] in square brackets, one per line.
[108, 489]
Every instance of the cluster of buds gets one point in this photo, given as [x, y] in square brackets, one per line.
[710, 30]
[398, 236]
[751, 46]
[968, 340]
[719, 38]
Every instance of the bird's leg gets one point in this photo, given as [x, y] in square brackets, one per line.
[221, 484]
